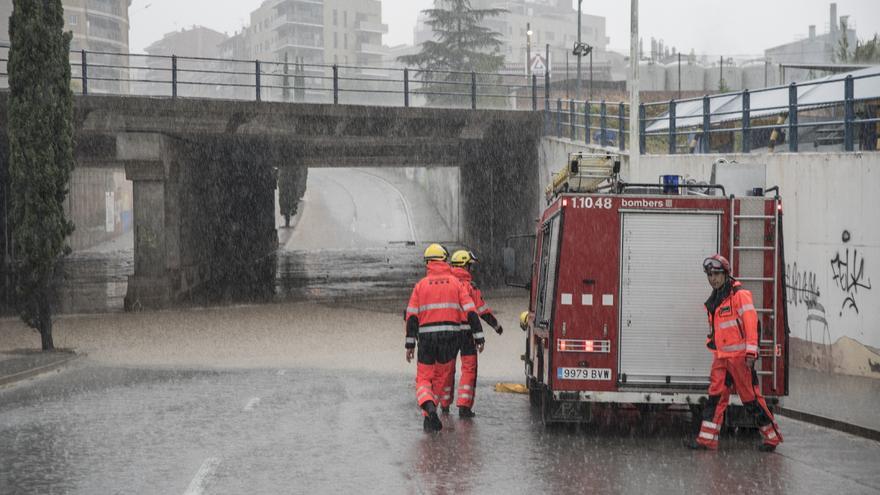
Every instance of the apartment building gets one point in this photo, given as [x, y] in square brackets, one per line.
[97, 25]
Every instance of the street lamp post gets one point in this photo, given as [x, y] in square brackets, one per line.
[529, 49]
[580, 49]
[577, 91]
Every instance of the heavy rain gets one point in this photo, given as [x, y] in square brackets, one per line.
[260, 185]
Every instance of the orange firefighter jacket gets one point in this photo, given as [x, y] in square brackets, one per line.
[734, 324]
[438, 301]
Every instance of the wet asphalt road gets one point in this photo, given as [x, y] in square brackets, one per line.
[96, 429]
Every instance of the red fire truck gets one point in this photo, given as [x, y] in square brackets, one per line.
[616, 314]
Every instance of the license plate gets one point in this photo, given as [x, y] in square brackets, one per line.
[583, 373]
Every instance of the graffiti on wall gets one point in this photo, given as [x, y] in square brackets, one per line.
[801, 288]
[848, 269]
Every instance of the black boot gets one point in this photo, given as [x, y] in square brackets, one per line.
[445, 409]
[465, 412]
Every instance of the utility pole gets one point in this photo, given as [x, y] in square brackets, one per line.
[577, 94]
[634, 88]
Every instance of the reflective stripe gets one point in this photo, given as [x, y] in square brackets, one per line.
[465, 396]
[745, 307]
[439, 328]
[447, 396]
[426, 394]
[751, 347]
[771, 435]
[465, 387]
[710, 425]
[410, 340]
[478, 335]
[423, 387]
[727, 324]
[429, 307]
[708, 436]
[411, 311]
[482, 309]
[447, 389]
[468, 306]
[733, 347]
[465, 327]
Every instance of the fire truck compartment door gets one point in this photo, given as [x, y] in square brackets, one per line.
[663, 323]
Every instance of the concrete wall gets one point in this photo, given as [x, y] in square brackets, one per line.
[99, 204]
[832, 255]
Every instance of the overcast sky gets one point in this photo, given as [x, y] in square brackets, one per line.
[712, 27]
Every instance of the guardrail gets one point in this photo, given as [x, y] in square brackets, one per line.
[96, 72]
[824, 112]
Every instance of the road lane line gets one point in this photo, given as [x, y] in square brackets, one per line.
[251, 403]
[197, 485]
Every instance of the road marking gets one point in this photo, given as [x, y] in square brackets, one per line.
[251, 403]
[197, 485]
[281, 372]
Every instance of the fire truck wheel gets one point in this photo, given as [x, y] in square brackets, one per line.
[696, 418]
[546, 406]
[534, 392]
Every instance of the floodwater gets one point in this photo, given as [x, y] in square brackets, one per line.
[359, 233]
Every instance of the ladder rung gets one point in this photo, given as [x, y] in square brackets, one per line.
[754, 248]
[764, 310]
[755, 279]
[764, 373]
[753, 217]
[765, 342]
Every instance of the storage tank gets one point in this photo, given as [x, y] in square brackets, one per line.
[754, 75]
[652, 77]
[692, 76]
[732, 77]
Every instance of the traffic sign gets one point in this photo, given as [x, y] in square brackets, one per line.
[537, 65]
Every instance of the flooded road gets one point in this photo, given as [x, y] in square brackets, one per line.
[359, 233]
[111, 430]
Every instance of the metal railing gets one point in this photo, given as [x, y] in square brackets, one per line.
[824, 112]
[96, 72]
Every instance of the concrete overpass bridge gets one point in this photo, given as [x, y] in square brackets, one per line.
[203, 174]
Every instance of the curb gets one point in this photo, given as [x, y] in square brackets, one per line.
[31, 372]
[833, 424]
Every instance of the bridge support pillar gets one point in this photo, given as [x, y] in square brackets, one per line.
[499, 182]
[149, 165]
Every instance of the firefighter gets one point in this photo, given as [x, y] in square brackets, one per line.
[733, 340]
[471, 343]
[433, 319]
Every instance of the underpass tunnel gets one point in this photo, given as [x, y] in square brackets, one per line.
[360, 231]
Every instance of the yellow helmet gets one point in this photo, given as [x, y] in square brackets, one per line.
[462, 258]
[524, 320]
[436, 252]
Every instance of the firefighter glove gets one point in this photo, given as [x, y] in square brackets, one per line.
[710, 342]
[499, 329]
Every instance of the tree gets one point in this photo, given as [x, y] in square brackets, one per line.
[842, 45]
[867, 52]
[462, 45]
[40, 135]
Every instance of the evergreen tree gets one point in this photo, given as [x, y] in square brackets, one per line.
[462, 45]
[867, 52]
[40, 132]
[842, 45]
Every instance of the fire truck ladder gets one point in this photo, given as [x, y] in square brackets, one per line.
[757, 236]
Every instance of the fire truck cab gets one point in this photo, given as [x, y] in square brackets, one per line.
[616, 315]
